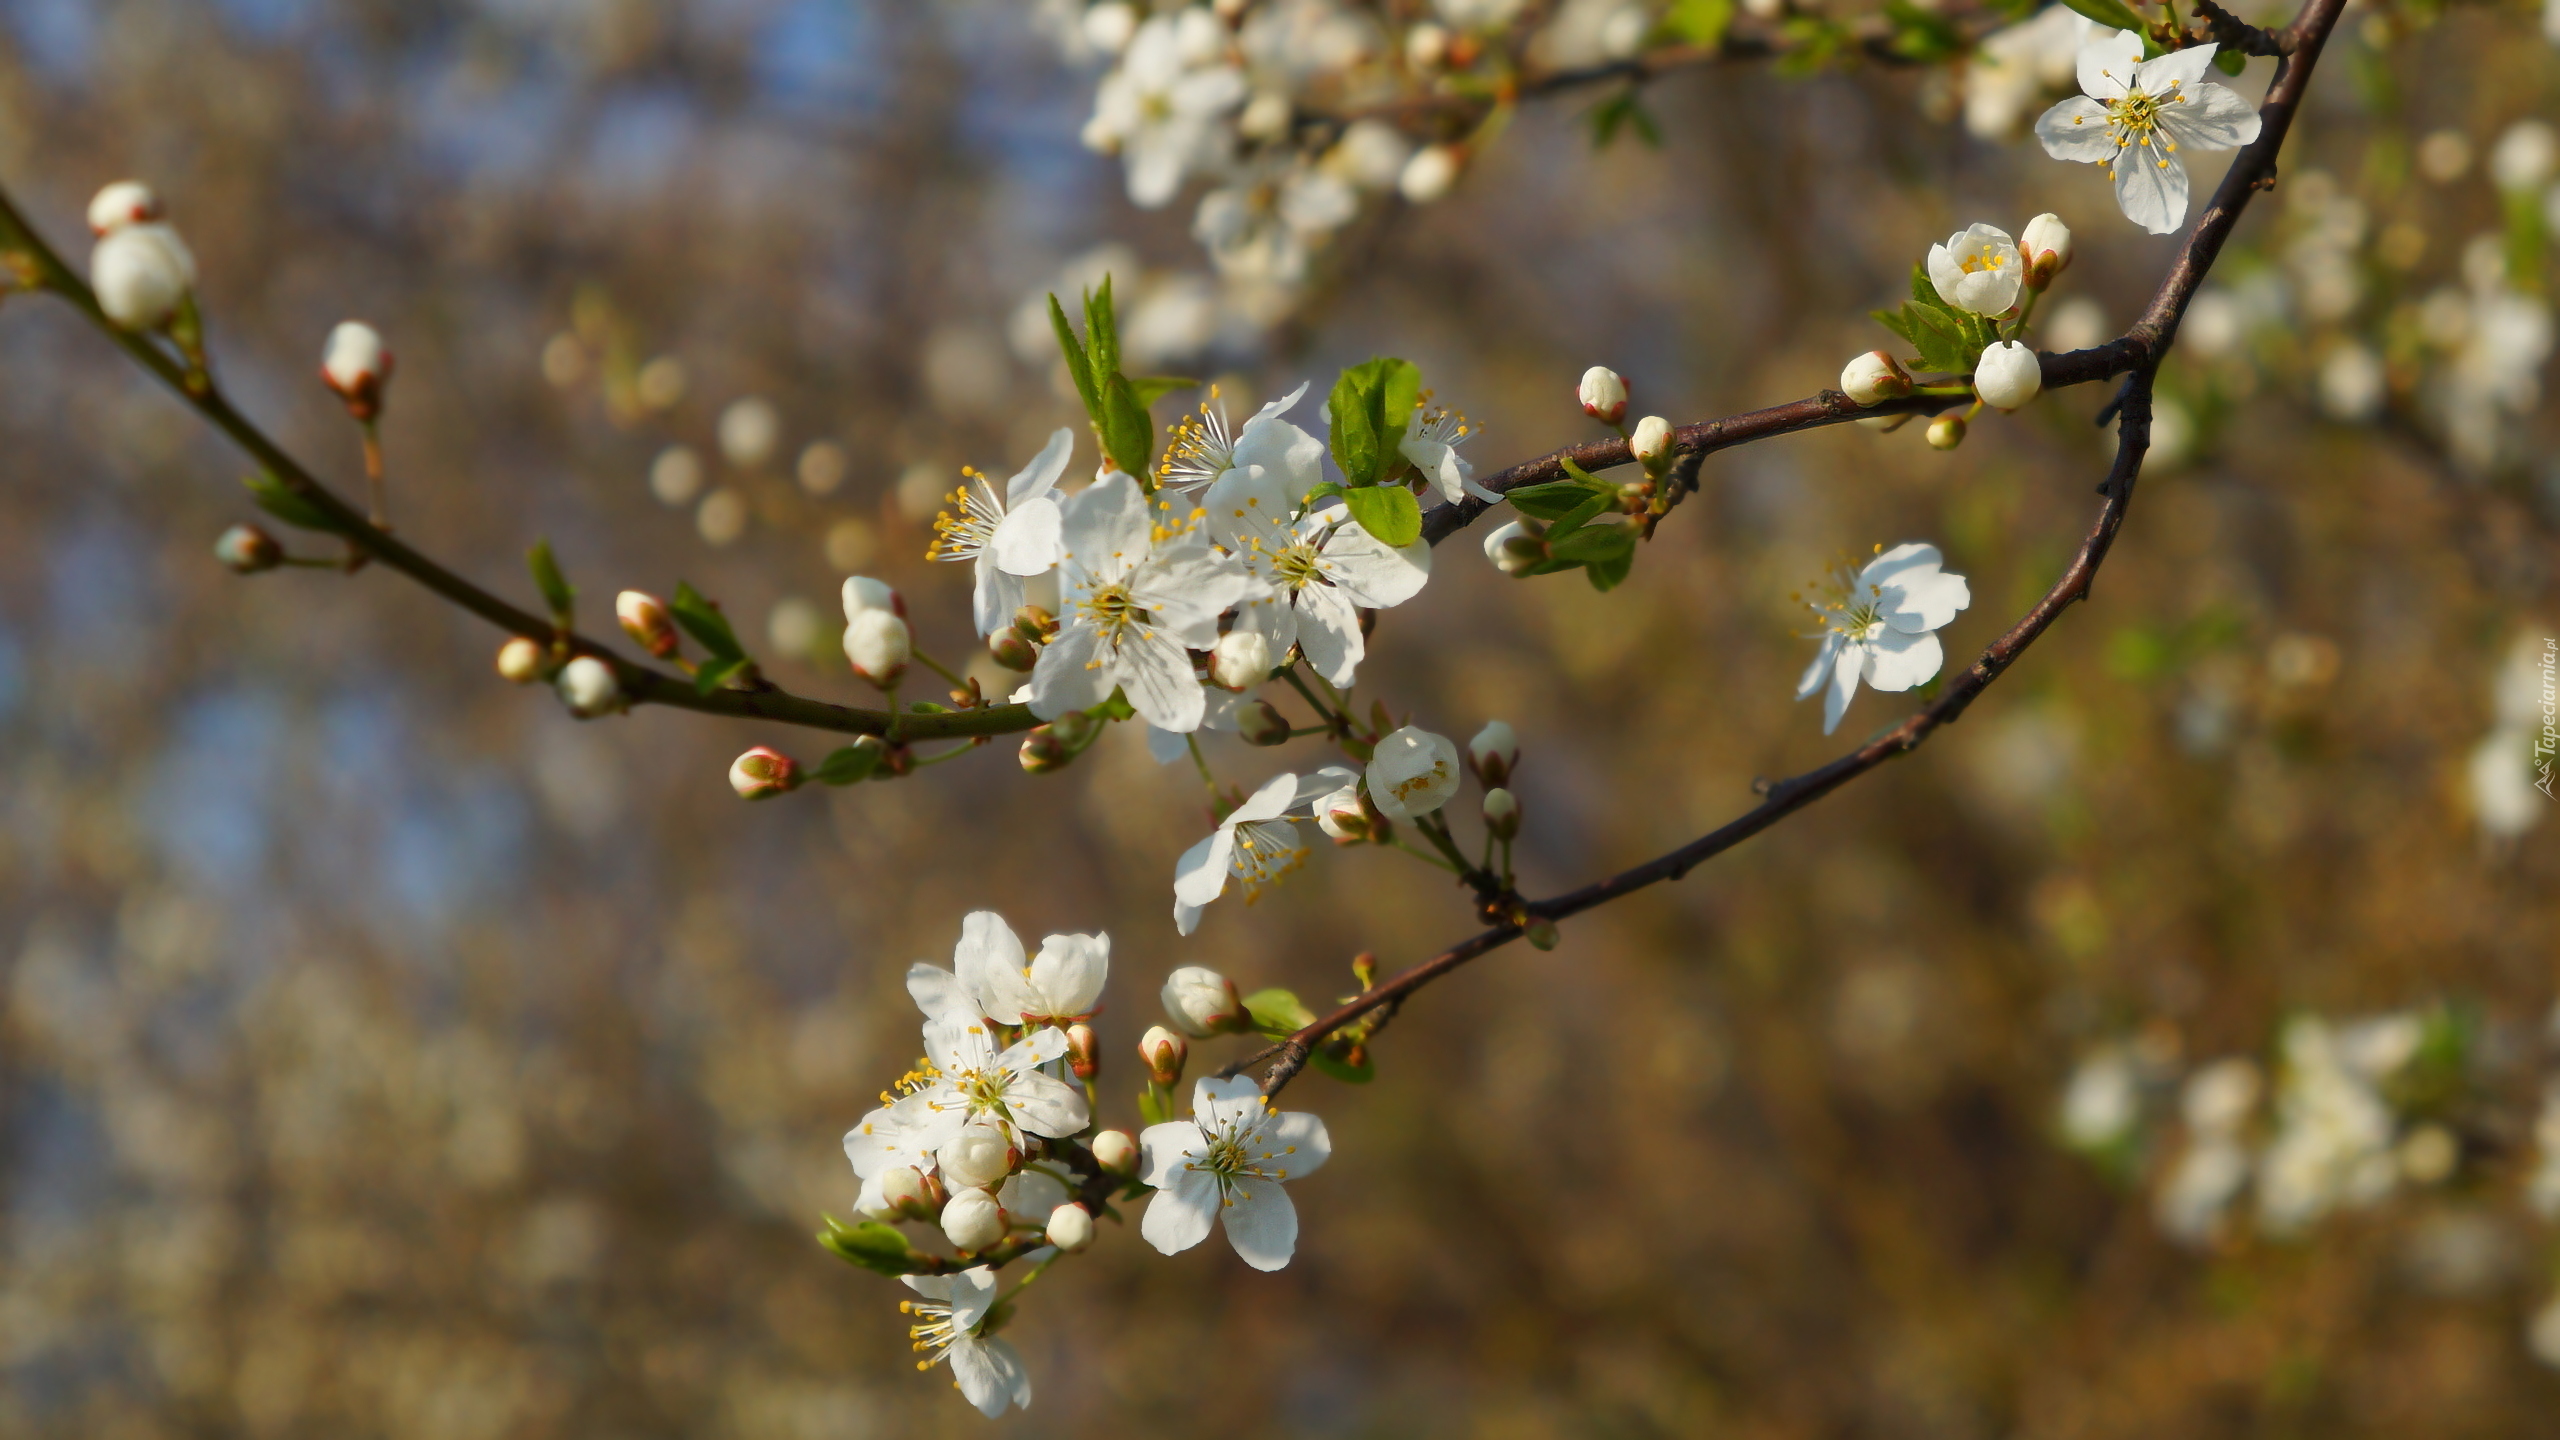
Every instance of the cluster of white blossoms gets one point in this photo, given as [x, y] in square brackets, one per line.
[989, 1152]
[1972, 300]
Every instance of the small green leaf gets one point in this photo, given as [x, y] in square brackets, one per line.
[1700, 22]
[703, 621]
[1151, 1109]
[1606, 575]
[1551, 501]
[555, 588]
[1128, 432]
[851, 765]
[1592, 508]
[1327, 491]
[1924, 291]
[2114, 14]
[2230, 62]
[871, 1245]
[1101, 331]
[1387, 511]
[1593, 544]
[1624, 110]
[1079, 365]
[1328, 1058]
[715, 673]
[1399, 395]
[1370, 405]
[1278, 1012]
[279, 500]
[1152, 388]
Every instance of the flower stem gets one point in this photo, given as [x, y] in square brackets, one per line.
[1425, 856]
[1191, 743]
[938, 668]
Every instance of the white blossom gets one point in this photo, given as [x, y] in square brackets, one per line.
[1493, 752]
[990, 977]
[1603, 394]
[2103, 1101]
[981, 1153]
[1879, 626]
[1257, 843]
[2046, 246]
[122, 203]
[1241, 661]
[1139, 593]
[2135, 117]
[1203, 1002]
[1204, 447]
[1229, 1162]
[141, 274]
[1508, 557]
[1316, 572]
[2334, 1133]
[1265, 222]
[1165, 109]
[1008, 535]
[1413, 772]
[950, 1325]
[1978, 270]
[2008, 375]
[1431, 440]
[877, 645]
[588, 687]
[2013, 69]
[965, 1077]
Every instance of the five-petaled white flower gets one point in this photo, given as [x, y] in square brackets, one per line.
[1139, 593]
[2136, 116]
[1431, 441]
[989, 976]
[1010, 535]
[1229, 1159]
[1257, 843]
[1320, 569]
[1205, 447]
[951, 1324]
[964, 1077]
[1978, 270]
[1165, 108]
[1879, 626]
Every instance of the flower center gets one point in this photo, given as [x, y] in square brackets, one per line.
[1298, 566]
[964, 536]
[1233, 1155]
[2136, 117]
[1266, 851]
[1112, 609]
[1977, 264]
[934, 1331]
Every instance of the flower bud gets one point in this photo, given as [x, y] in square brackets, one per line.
[1652, 444]
[1070, 1228]
[1541, 934]
[1164, 1052]
[2008, 376]
[141, 274]
[1501, 813]
[1345, 817]
[1241, 661]
[972, 1220]
[1430, 174]
[1413, 772]
[356, 366]
[1946, 432]
[1261, 723]
[247, 550]
[910, 1192]
[1604, 395]
[763, 773]
[1116, 1152]
[1035, 624]
[2046, 247]
[1012, 651]
[1203, 1002]
[645, 619]
[1043, 751]
[878, 645]
[1514, 549]
[861, 593]
[588, 687]
[1076, 728]
[1873, 377]
[981, 1154]
[1493, 752]
[1084, 1051]
[520, 661]
[125, 202]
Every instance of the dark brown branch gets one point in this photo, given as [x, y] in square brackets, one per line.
[2137, 355]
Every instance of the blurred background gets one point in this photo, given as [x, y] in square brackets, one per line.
[383, 1052]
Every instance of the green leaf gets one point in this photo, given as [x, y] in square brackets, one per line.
[1128, 432]
[703, 621]
[1924, 291]
[1700, 22]
[1593, 544]
[850, 765]
[279, 500]
[1152, 388]
[1150, 1109]
[1551, 501]
[1326, 491]
[1278, 1012]
[547, 578]
[1370, 404]
[1329, 1059]
[871, 1245]
[1387, 511]
[1592, 508]
[1079, 365]
[1624, 110]
[1606, 575]
[1399, 395]
[715, 673]
[2114, 14]
[1101, 331]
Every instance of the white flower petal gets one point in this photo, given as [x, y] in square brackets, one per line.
[995, 596]
[1216, 1101]
[1249, 508]
[941, 995]
[1262, 1223]
[2152, 188]
[2184, 69]
[1070, 970]
[2077, 129]
[1026, 540]
[1163, 1150]
[2214, 117]
[988, 950]
[1045, 1105]
[1844, 684]
[1069, 675]
[1200, 876]
[1303, 1142]
[1036, 478]
[1178, 1216]
[2108, 63]
[1372, 572]
[1897, 661]
[1825, 658]
[1329, 632]
[990, 1374]
[1155, 671]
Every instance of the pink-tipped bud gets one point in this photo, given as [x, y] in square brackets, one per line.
[247, 550]
[1873, 378]
[911, 1193]
[1203, 1002]
[1494, 753]
[1501, 813]
[125, 202]
[1261, 723]
[1241, 661]
[645, 619]
[1116, 1152]
[763, 773]
[1604, 395]
[1070, 1228]
[1652, 444]
[357, 367]
[878, 645]
[520, 661]
[1084, 1051]
[1345, 816]
[1013, 652]
[972, 1221]
[1164, 1054]
[2046, 247]
[1043, 752]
